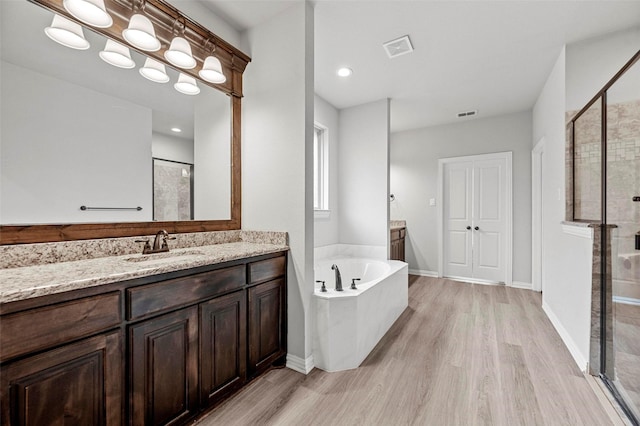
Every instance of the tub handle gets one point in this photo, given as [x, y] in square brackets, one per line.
[353, 283]
[323, 288]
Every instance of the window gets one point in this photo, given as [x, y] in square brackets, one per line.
[320, 168]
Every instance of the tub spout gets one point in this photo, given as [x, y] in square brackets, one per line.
[338, 277]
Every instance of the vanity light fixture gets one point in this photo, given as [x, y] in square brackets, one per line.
[179, 54]
[92, 12]
[117, 55]
[67, 33]
[345, 72]
[187, 85]
[212, 71]
[140, 33]
[154, 71]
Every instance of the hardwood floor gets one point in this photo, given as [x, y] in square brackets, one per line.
[460, 354]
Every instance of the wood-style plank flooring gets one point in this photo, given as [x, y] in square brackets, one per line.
[460, 354]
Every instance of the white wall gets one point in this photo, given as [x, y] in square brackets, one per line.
[212, 156]
[89, 163]
[326, 230]
[277, 153]
[201, 14]
[566, 259]
[363, 161]
[414, 175]
[167, 147]
[590, 64]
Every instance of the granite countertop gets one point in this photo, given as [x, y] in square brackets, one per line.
[39, 280]
[397, 224]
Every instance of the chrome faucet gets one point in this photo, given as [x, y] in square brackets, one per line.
[338, 277]
[159, 243]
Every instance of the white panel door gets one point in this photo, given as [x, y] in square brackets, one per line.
[475, 218]
[457, 219]
[489, 236]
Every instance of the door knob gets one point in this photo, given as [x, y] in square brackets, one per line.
[468, 228]
[477, 228]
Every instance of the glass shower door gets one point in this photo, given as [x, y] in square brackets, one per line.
[622, 358]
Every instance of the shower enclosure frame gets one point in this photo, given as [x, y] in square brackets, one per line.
[606, 314]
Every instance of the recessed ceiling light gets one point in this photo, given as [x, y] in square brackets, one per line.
[345, 72]
[176, 129]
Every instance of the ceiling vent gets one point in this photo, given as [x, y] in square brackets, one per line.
[398, 47]
[467, 113]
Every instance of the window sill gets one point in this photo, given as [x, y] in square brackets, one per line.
[322, 214]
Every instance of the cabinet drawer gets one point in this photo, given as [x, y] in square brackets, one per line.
[265, 270]
[36, 329]
[156, 297]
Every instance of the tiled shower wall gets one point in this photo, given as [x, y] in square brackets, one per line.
[623, 183]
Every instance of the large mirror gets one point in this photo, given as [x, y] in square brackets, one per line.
[85, 142]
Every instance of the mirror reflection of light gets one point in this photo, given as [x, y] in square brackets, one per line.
[117, 55]
[154, 71]
[176, 129]
[187, 85]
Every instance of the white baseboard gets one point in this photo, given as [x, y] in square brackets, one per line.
[521, 284]
[423, 273]
[578, 357]
[300, 365]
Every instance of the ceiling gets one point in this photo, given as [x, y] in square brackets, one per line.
[490, 56]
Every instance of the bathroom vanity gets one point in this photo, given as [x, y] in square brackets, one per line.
[398, 231]
[159, 348]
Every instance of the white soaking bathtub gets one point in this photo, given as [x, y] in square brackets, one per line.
[350, 323]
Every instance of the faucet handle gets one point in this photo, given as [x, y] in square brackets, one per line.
[323, 288]
[353, 283]
[147, 247]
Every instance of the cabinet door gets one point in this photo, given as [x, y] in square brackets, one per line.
[267, 322]
[164, 368]
[223, 348]
[77, 384]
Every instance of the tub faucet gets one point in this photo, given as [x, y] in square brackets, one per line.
[338, 277]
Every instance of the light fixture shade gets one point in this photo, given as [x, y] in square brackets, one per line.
[117, 55]
[154, 71]
[179, 54]
[140, 33]
[187, 85]
[212, 71]
[92, 12]
[67, 33]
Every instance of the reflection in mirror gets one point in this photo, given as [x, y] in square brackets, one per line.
[172, 190]
[76, 131]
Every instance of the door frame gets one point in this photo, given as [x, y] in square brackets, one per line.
[537, 244]
[508, 156]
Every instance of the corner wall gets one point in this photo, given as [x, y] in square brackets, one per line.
[277, 141]
[364, 179]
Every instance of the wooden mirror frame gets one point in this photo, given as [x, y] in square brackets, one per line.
[203, 43]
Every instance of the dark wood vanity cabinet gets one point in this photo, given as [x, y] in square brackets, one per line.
[397, 244]
[75, 384]
[156, 350]
[164, 368]
[223, 346]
